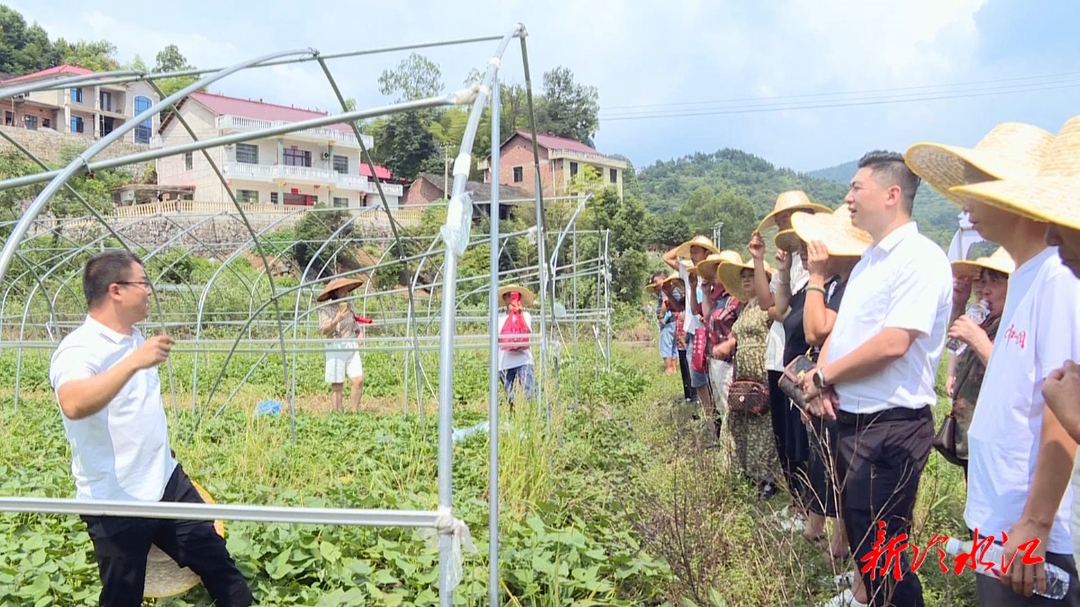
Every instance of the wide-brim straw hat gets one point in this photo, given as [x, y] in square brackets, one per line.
[999, 261]
[527, 297]
[1011, 150]
[729, 276]
[708, 266]
[338, 283]
[794, 200]
[834, 229]
[698, 241]
[675, 279]
[164, 578]
[1049, 197]
[651, 288]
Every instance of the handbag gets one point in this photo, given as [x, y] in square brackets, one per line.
[748, 397]
[793, 374]
[945, 440]
[699, 358]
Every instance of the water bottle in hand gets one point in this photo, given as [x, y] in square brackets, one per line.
[977, 312]
[1057, 580]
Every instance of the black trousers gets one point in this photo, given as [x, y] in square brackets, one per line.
[879, 466]
[121, 545]
[684, 371]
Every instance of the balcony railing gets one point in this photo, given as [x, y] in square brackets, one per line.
[406, 215]
[240, 123]
[271, 172]
[390, 189]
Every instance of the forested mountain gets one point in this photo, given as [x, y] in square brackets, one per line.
[937, 216]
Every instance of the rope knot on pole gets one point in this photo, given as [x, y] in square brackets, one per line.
[460, 540]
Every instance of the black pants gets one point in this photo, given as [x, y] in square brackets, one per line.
[121, 545]
[822, 498]
[684, 370]
[879, 466]
[791, 441]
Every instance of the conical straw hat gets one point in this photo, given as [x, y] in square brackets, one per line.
[698, 241]
[834, 229]
[999, 261]
[795, 200]
[164, 578]
[1052, 196]
[708, 266]
[729, 276]
[1011, 150]
[337, 283]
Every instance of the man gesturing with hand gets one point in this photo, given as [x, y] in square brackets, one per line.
[106, 381]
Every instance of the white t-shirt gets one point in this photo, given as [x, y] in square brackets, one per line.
[122, 451]
[510, 360]
[903, 282]
[774, 346]
[691, 322]
[1039, 331]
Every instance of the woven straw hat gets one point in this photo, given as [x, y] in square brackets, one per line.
[729, 272]
[674, 278]
[651, 289]
[1051, 196]
[527, 297]
[697, 241]
[834, 229]
[795, 200]
[708, 266]
[1011, 150]
[164, 578]
[337, 283]
[999, 261]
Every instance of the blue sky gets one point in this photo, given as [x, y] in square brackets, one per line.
[811, 52]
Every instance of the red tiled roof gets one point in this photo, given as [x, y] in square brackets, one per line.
[259, 110]
[552, 142]
[382, 172]
[60, 70]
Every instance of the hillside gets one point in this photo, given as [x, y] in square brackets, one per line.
[937, 216]
[667, 185]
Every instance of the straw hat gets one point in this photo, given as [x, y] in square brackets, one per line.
[650, 289]
[999, 261]
[708, 266]
[834, 229]
[164, 578]
[697, 241]
[729, 272]
[1051, 195]
[337, 283]
[795, 200]
[674, 278]
[527, 296]
[1011, 150]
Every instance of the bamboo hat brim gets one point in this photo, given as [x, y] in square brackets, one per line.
[338, 283]
[527, 297]
[708, 266]
[698, 241]
[729, 275]
[795, 200]
[164, 578]
[834, 229]
[999, 261]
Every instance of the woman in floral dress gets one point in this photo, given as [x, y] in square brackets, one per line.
[746, 439]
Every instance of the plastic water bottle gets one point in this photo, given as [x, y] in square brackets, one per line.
[1057, 580]
[977, 312]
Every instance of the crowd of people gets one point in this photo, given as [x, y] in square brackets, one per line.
[817, 375]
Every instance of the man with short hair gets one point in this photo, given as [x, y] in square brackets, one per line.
[1020, 454]
[877, 369]
[106, 382]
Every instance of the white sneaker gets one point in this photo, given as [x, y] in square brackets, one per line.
[844, 599]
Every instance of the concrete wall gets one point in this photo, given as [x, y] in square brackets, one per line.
[48, 146]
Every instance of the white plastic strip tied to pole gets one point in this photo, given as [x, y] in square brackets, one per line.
[460, 541]
[455, 232]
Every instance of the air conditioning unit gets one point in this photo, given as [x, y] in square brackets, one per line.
[326, 155]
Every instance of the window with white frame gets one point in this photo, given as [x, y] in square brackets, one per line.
[145, 130]
[341, 164]
[189, 161]
[341, 202]
[76, 95]
[76, 124]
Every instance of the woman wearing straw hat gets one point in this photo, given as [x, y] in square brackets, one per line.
[719, 311]
[340, 324]
[991, 277]
[515, 330]
[665, 318]
[829, 247]
[746, 439]
[675, 290]
[682, 259]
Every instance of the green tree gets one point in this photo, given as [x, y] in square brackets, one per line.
[569, 109]
[406, 145]
[312, 231]
[416, 77]
[99, 56]
[170, 59]
[23, 48]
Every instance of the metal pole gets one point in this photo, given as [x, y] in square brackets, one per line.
[493, 381]
[607, 297]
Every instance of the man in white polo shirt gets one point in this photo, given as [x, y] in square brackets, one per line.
[106, 382]
[878, 367]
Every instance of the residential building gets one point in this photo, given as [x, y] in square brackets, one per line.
[429, 188]
[91, 111]
[560, 161]
[308, 167]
